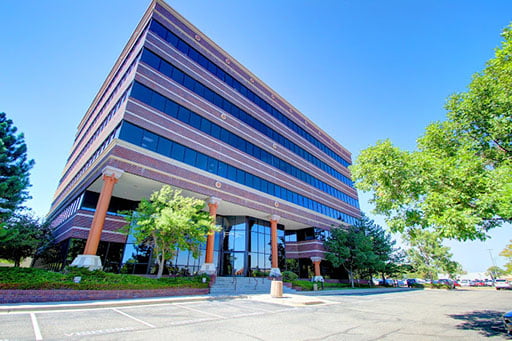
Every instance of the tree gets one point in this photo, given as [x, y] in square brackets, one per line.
[351, 248]
[169, 221]
[459, 180]
[382, 246]
[507, 253]
[14, 168]
[495, 272]
[26, 235]
[428, 256]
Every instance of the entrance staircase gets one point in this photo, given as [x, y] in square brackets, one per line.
[227, 286]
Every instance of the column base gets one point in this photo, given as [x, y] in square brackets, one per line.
[208, 268]
[88, 261]
[275, 272]
[276, 289]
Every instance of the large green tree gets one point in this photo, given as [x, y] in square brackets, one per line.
[23, 236]
[14, 168]
[428, 256]
[350, 248]
[168, 221]
[459, 180]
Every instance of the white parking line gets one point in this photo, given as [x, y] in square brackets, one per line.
[35, 325]
[200, 311]
[133, 318]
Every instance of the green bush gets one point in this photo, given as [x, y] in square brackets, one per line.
[29, 278]
[289, 276]
[258, 273]
[305, 285]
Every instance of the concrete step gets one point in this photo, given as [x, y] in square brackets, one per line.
[243, 285]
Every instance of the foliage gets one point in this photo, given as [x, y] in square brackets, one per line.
[351, 248]
[495, 272]
[26, 235]
[169, 221]
[459, 181]
[30, 278]
[259, 273]
[428, 256]
[304, 285]
[14, 168]
[507, 253]
[388, 258]
[289, 276]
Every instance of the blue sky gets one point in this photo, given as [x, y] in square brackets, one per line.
[361, 70]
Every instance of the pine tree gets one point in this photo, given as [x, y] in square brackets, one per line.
[14, 168]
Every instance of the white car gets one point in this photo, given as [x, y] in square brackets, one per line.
[502, 284]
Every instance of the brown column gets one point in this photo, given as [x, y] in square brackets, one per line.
[317, 268]
[110, 177]
[213, 204]
[316, 262]
[273, 237]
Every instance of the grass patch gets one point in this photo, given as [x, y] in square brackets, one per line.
[29, 278]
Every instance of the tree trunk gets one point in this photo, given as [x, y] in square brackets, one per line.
[383, 279]
[17, 262]
[161, 262]
[351, 276]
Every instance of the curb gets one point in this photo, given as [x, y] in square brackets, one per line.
[53, 306]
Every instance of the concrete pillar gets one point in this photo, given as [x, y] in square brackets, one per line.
[316, 262]
[274, 272]
[208, 267]
[89, 258]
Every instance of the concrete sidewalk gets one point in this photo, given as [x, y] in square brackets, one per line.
[298, 299]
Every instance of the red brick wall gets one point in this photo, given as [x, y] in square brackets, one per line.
[25, 296]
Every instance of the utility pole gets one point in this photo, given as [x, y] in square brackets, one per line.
[493, 273]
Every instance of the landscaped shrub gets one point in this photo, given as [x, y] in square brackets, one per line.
[30, 278]
[289, 276]
[258, 273]
[305, 285]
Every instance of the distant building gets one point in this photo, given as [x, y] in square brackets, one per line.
[177, 109]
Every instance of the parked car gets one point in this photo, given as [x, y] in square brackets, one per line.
[446, 281]
[507, 319]
[413, 281]
[464, 282]
[477, 283]
[456, 284]
[502, 284]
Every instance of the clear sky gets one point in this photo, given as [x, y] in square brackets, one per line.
[363, 70]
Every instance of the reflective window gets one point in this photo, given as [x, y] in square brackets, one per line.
[224, 104]
[221, 74]
[189, 156]
[209, 127]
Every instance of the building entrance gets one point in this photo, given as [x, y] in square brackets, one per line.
[245, 246]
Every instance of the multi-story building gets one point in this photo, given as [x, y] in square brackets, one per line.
[177, 109]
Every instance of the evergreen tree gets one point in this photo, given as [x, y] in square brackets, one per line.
[26, 235]
[351, 248]
[14, 168]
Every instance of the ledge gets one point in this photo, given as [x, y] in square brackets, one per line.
[62, 295]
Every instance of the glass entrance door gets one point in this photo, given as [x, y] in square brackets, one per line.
[233, 264]
[234, 247]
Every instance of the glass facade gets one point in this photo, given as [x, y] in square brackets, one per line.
[208, 65]
[241, 248]
[171, 108]
[179, 152]
[182, 78]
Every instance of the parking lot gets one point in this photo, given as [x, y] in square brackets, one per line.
[418, 315]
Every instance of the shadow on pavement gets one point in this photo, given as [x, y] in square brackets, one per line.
[486, 322]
